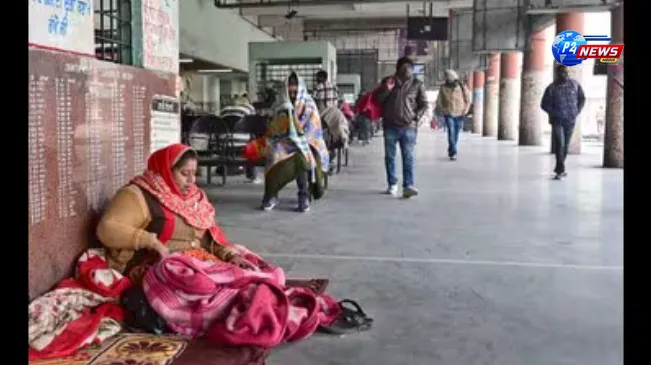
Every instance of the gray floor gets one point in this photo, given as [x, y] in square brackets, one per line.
[493, 263]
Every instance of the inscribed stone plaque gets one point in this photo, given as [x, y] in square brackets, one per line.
[88, 134]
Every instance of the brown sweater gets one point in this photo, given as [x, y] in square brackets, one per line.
[130, 222]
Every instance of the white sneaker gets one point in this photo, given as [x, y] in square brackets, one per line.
[409, 191]
[256, 181]
[392, 190]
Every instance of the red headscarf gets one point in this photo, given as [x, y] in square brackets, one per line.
[193, 206]
[162, 161]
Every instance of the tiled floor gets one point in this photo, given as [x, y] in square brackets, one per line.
[493, 263]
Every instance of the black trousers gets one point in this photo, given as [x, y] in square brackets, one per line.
[562, 135]
[251, 171]
[303, 184]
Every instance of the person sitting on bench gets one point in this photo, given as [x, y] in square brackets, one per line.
[295, 149]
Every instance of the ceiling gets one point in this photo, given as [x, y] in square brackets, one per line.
[189, 64]
[347, 9]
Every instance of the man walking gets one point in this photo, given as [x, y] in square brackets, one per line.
[453, 102]
[405, 108]
[325, 93]
[563, 101]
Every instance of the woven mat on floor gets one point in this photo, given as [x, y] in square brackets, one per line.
[127, 349]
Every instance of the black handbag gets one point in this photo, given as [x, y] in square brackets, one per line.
[139, 313]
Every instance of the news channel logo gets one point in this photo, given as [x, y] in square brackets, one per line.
[567, 43]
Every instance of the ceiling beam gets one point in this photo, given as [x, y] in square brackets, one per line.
[342, 25]
[239, 4]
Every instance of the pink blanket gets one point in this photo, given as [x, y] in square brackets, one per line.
[233, 306]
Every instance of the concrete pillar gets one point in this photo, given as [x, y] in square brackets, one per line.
[214, 96]
[614, 126]
[509, 109]
[205, 95]
[576, 22]
[479, 77]
[491, 96]
[532, 116]
[470, 82]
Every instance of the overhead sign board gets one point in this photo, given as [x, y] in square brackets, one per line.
[462, 56]
[499, 26]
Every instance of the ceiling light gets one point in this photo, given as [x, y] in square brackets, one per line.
[221, 70]
[186, 60]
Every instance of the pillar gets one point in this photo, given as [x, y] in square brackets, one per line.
[470, 82]
[479, 77]
[532, 89]
[211, 94]
[573, 21]
[491, 96]
[509, 109]
[614, 126]
[205, 95]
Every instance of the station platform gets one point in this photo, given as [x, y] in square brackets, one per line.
[493, 263]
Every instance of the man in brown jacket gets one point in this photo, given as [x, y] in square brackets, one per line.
[405, 108]
[453, 103]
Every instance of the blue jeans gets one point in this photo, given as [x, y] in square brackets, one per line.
[406, 137]
[454, 126]
[562, 135]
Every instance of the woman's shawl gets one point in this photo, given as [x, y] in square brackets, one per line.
[296, 127]
[337, 125]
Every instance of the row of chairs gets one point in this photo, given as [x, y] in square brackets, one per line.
[220, 143]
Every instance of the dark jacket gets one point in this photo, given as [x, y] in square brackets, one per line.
[563, 101]
[405, 105]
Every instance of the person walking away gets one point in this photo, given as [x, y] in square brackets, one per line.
[367, 110]
[295, 149]
[405, 108]
[325, 93]
[240, 108]
[453, 102]
[563, 101]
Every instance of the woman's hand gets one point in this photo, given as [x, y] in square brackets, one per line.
[162, 250]
[243, 263]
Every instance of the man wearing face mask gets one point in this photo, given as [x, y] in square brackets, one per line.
[563, 101]
[405, 108]
[453, 103]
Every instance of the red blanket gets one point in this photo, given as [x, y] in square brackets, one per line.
[368, 106]
[233, 306]
[80, 311]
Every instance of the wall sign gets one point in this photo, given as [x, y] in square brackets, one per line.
[160, 33]
[65, 25]
[165, 122]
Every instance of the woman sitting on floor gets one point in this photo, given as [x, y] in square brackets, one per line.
[204, 284]
[295, 146]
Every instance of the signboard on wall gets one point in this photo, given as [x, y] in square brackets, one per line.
[160, 33]
[165, 122]
[64, 25]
